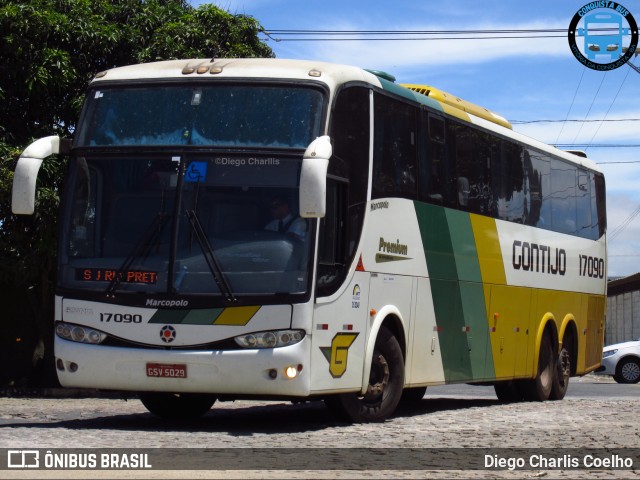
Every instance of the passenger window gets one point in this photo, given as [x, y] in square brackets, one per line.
[394, 160]
[563, 197]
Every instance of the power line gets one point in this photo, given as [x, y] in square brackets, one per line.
[411, 32]
[404, 39]
[610, 106]
[617, 231]
[614, 163]
[596, 145]
[590, 107]
[522, 122]
[575, 94]
[408, 35]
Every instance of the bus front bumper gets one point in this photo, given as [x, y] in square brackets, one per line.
[283, 371]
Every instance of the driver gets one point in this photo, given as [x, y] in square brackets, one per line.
[284, 221]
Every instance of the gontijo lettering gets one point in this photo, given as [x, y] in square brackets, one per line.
[532, 257]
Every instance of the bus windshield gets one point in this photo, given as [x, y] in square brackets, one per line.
[238, 115]
[221, 225]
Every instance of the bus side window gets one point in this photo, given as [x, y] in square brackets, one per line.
[509, 182]
[347, 184]
[435, 172]
[598, 205]
[583, 204]
[331, 255]
[394, 159]
[563, 197]
[470, 151]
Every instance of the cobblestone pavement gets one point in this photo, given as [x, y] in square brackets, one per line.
[438, 421]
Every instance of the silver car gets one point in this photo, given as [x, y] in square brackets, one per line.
[621, 360]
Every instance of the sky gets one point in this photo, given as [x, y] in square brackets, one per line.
[522, 79]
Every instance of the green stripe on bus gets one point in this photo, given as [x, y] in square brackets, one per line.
[458, 295]
[471, 293]
[188, 317]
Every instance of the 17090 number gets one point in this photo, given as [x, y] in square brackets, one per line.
[121, 317]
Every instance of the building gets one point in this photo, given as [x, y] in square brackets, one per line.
[623, 310]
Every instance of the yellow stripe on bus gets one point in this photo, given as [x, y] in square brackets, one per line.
[236, 315]
[488, 247]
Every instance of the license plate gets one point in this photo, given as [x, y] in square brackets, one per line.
[166, 370]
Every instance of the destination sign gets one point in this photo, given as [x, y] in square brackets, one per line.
[109, 275]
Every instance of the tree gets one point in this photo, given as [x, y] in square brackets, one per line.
[49, 51]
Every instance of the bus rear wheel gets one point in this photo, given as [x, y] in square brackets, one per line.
[539, 389]
[177, 405]
[562, 373]
[384, 391]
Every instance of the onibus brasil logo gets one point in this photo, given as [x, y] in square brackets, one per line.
[603, 35]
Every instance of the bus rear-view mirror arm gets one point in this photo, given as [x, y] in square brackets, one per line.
[23, 195]
[313, 178]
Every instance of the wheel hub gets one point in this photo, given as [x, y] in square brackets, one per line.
[630, 371]
[378, 379]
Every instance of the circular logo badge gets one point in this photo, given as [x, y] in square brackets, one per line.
[603, 35]
[168, 334]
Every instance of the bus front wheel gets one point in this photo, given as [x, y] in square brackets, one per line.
[384, 391]
[177, 405]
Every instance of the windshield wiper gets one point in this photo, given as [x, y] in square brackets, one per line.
[210, 257]
[149, 238]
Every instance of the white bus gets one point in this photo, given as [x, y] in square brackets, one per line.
[262, 228]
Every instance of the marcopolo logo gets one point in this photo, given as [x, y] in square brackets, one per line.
[603, 35]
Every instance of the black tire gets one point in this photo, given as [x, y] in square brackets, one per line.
[562, 372]
[628, 371]
[413, 394]
[539, 389]
[177, 405]
[386, 380]
[508, 392]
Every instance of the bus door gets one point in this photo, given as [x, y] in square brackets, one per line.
[339, 333]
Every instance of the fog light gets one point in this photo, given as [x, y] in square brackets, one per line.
[291, 372]
[73, 367]
[60, 364]
[273, 373]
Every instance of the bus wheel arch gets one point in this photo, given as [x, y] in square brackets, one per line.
[391, 319]
[384, 379]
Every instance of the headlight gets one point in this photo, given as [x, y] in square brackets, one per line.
[272, 339]
[609, 353]
[76, 333]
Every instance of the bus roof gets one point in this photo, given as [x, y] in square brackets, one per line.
[329, 73]
[332, 75]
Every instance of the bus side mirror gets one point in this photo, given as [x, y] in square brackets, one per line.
[23, 194]
[313, 178]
